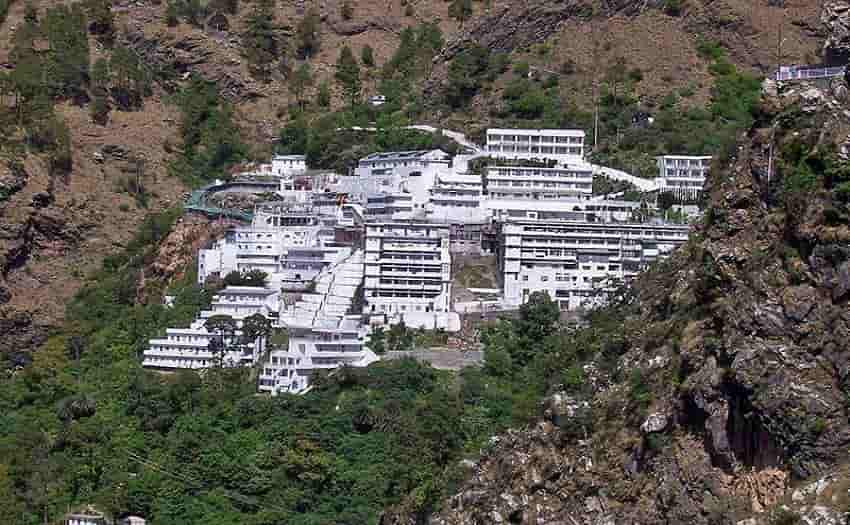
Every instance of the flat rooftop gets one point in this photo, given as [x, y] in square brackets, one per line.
[550, 132]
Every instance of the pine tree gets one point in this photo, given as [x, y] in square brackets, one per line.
[323, 98]
[101, 22]
[460, 10]
[260, 42]
[367, 56]
[172, 14]
[308, 35]
[348, 75]
[300, 81]
[100, 92]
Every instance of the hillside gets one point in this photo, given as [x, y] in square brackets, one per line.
[720, 392]
[43, 265]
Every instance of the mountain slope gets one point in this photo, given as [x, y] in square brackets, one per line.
[590, 35]
[728, 386]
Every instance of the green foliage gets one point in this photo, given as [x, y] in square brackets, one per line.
[377, 341]
[460, 10]
[367, 56]
[250, 278]
[328, 148]
[323, 97]
[211, 140]
[300, 81]
[307, 35]
[467, 73]
[259, 42]
[101, 21]
[676, 130]
[673, 7]
[348, 75]
[129, 77]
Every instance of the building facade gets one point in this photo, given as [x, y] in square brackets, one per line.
[289, 165]
[407, 270]
[531, 183]
[190, 348]
[411, 172]
[684, 176]
[457, 198]
[575, 261]
[324, 331]
[563, 146]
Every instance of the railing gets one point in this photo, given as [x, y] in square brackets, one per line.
[809, 73]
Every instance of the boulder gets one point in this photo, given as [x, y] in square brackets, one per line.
[656, 422]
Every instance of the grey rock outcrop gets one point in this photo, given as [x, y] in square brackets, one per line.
[835, 17]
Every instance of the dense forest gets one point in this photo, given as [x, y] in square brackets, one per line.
[84, 423]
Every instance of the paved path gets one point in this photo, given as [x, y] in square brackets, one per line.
[456, 136]
[442, 358]
[641, 183]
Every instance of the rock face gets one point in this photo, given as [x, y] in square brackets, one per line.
[835, 17]
[744, 340]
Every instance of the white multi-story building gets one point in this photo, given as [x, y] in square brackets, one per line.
[684, 176]
[573, 261]
[412, 172]
[408, 271]
[291, 242]
[457, 198]
[189, 348]
[530, 183]
[288, 165]
[563, 146]
[389, 206]
[564, 209]
[324, 331]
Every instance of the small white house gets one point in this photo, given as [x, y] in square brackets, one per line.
[284, 165]
[377, 100]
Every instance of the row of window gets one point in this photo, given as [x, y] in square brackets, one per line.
[542, 150]
[534, 139]
[534, 172]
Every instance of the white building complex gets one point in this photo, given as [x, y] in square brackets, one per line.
[573, 261]
[411, 172]
[563, 146]
[190, 347]
[684, 176]
[324, 329]
[408, 273]
[291, 243]
[344, 253]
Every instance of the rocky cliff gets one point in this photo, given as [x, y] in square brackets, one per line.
[730, 396]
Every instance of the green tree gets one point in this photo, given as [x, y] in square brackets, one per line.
[172, 13]
[256, 327]
[100, 91]
[323, 97]
[223, 327]
[348, 75]
[101, 22]
[301, 80]
[367, 56]
[377, 341]
[460, 10]
[259, 42]
[307, 35]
